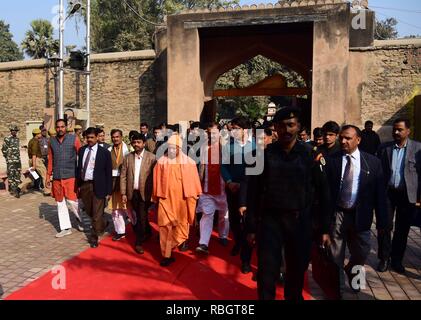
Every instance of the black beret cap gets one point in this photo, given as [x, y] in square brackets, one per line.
[286, 113]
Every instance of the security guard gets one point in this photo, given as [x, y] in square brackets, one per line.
[279, 206]
[52, 132]
[11, 152]
[78, 133]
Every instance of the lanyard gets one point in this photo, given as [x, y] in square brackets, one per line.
[118, 154]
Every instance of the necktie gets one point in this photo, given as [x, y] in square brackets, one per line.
[85, 165]
[346, 191]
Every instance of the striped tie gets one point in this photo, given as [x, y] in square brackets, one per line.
[346, 191]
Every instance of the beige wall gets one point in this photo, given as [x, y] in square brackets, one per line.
[330, 68]
[383, 81]
[123, 91]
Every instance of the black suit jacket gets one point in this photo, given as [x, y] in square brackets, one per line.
[371, 191]
[103, 177]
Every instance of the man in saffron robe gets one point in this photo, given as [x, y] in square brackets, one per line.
[176, 188]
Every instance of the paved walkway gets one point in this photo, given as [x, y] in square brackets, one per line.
[29, 249]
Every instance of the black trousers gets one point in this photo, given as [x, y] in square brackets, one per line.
[142, 227]
[291, 232]
[398, 203]
[237, 227]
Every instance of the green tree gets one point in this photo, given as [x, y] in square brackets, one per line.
[39, 42]
[386, 29]
[115, 25]
[247, 74]
[9, 50]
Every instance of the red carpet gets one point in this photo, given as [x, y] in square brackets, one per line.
[114, 271]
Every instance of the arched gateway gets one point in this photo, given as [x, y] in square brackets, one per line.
[312, 38]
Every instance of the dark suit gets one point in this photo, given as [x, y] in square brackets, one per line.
[401, 200]
[94, 192]
[371, 191]
[351, 227]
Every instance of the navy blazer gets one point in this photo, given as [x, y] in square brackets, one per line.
[371, 191]
[103, 175]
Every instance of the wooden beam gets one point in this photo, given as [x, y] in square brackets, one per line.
[254, 92]
[254, 21]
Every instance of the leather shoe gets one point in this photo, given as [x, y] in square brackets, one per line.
[245, 267]
[18, 193]
[183, 247]
[398, 267]
[94, 244]
[383, 265]
[350, 278]
[166, 262]
[139, 249]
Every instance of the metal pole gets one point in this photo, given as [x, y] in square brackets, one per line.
[88, 65]
[61, 71]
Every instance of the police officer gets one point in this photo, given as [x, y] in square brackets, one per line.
[11, 152]
[35, 162]
[78, 133]
[279, 205]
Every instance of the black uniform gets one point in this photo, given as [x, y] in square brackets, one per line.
[329, 152]
[279, 209]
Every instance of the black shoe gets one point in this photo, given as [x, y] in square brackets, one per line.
[139, 249]
[118, 237]
[166, 262]
[94, 244]
[281, 279]
[235, 250]
[183, 247]
[223, 241]
[350, 278]
[398, 267]
[202, 249]
[18, 192]
[383, 265]
[245, 267]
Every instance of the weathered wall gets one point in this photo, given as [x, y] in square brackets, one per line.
[122, 91]
[384, 79]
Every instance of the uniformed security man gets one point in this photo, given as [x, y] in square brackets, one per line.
[11, 152]
[78, 133]
[35, 163]
[279, 203]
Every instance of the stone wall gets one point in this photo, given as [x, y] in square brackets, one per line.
[389, 75]
[122, 91]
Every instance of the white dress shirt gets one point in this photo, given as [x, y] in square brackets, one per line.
[356, 164]
[137, 165]
[89, 175]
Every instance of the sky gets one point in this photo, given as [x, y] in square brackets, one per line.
[19, 13]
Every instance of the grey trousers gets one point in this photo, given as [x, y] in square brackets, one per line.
[344, 234]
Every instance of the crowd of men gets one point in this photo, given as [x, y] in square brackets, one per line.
[269, 184]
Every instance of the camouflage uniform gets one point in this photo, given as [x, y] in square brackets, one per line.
[11, 153]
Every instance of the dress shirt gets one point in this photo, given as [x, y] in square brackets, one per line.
[89, 175]
[137, 164]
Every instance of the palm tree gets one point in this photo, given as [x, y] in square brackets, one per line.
[39, 42]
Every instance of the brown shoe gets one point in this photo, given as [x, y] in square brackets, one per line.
[139, 249]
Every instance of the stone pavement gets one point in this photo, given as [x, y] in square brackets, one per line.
[29, 249]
